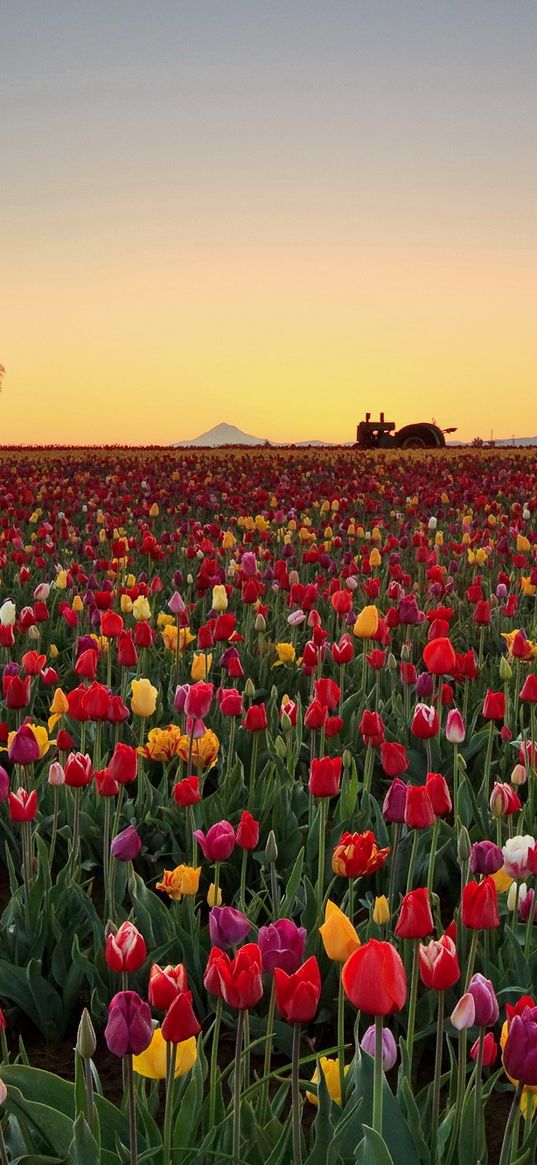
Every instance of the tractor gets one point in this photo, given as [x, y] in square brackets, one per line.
[380, 435]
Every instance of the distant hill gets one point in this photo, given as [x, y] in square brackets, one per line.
[224, 434]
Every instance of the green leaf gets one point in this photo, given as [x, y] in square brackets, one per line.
[372, 1150]
[83, 1149]
[35, 1084]
[293, 883]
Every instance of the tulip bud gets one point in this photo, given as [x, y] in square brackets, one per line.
[249, 689]
[463, 1014]
[86, 1040]
[391, 662]
[260, 623]
[3, 1092]
[347, 759]
[519, 775]
[464, 845]
[271, 848]
[214, 899]
[381, 910]
[389, 1047]
[515, 892]
[56, 775]
[279, 745]
[286, 723]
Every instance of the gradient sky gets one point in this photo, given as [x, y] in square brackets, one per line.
[277, 213]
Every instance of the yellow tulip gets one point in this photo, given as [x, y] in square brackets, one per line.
[204, 750]
[523, 544]
[141, 609]
[126, 604]
[286, 652]
[144, 697]
[184, 880]
[219, 599]
[527, 587]
[381, 910]
[164, 620]
[162, 743]
[154, 511]
[338, 934]
[214, 899]
[61, 580]
[375, 558]
[152, 1062]
[41, 735]
[502, 881]
[77, 604]
[228, 540]
[367, 623]
[58, 708]
[201, 665]
[53, 651]
[330, 1071]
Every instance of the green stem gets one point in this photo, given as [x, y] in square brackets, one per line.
[295, 1097]
[242, 892]
[412, 1005]
[214, 1063]
[88, 1084]
[471, 958]
[171, 1057]
[323, 810]
[54, 834]
[341, 1037]
[477, 1094]
[378, 1077]
[412, 862]
[393, 863]
[437, 1074]
[237, 1091]
[133, 1141]
[505, 1155]
[432, 855]
[263, 1104]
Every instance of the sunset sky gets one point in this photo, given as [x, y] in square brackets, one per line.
[276, 213]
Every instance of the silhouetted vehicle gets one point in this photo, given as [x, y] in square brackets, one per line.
[380, 435]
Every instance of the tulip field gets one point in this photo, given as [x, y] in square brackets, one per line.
[268, 794]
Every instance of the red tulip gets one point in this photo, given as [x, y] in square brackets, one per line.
[438, 964]
[297, 995]
[419, 812]
[180, 1023]
[325, 775]
[439, 656]
[479, 907]
[125, 950]
[374, 979]
[494, 706]
[415, 918]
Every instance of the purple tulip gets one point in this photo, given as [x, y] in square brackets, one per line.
[393, 807]
[4, 783]
[229, 655]
[126, 846]
[227, 926]
[408, 610]
[11, 669]
[485, 858]
[218, 843]
[484, 997]
[24, 749]
[129, 1030]
[389, 1046]
[249, 564]
[520, 1051]
[282, 944]
[424, 686]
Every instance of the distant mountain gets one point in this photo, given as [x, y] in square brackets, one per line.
[225, 434]
[222, 434]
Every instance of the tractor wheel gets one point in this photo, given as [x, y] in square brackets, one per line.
[420, 437]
